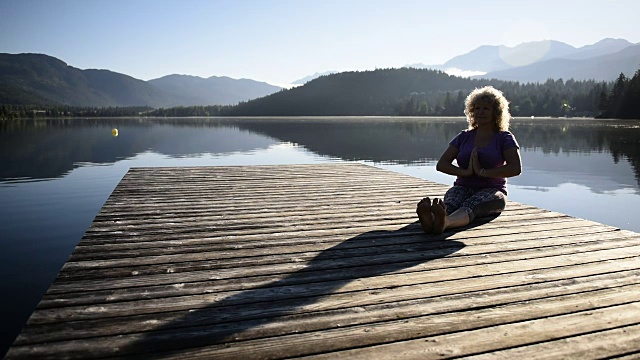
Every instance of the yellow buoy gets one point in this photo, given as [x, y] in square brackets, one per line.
[114, 132]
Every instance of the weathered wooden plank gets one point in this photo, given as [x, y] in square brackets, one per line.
[411, 259]
[131, 201]
[319, 289]
[381, 230]
[295, 286]
[87, 247]
[264, 180]
[418, 264]
[286, 219]
[349, 247]
[328, 261]
[284, 229]
[383, 253]
[177, 268]
[495, 338]
[203, 251]
[173, 213]
[318, 230]
[141, 256]
[599, 345]
[184, 185]
[263, 214]
[447, 333]
[486, 254]
[385, 305]
[290, 244]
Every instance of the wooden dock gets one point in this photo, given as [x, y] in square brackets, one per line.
[327, 261]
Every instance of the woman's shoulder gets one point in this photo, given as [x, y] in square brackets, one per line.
[507, 137]
[467, 132]
[462, 137]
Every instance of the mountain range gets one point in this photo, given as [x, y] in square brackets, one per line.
[540, 60]
[42, 79]
[605, 67]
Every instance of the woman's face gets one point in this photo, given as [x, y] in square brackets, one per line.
[483, 113]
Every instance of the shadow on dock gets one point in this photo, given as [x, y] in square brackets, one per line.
[297, 302]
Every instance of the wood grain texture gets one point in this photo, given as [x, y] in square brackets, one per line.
[328, 261]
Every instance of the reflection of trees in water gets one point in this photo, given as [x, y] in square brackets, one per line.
[627, 144]
[51, 148]
[415, 140]
[620, 138]
[40, 149]
[378, 140]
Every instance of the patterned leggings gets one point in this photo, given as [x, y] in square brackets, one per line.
[476, 202]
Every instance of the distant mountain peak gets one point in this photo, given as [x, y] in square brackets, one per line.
[492, 58]
[589, 63]
[316, 75]
[188, 90]
[612, 41]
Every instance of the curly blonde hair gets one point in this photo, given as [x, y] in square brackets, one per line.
[501, 114]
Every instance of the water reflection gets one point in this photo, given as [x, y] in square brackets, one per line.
[44, 149]
[602, 155]
[587, 152]
[56, 174]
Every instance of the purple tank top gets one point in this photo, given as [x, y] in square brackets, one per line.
[490, 156]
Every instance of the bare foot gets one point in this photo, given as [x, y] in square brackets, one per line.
[439, 216]
[424, 214]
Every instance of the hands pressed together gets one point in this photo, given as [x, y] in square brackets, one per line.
[474, 165]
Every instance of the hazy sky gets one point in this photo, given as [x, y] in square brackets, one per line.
[281, 41]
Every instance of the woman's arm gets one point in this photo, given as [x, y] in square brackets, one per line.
[445, 164]
[513, 166]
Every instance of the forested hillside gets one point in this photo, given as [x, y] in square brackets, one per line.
[36, 79]
[420, 92]
[378, 92]
[398, 92]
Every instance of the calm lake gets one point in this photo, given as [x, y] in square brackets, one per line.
[56, 174]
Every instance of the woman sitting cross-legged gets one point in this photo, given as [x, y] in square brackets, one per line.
[486, 154]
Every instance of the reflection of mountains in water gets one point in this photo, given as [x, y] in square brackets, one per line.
[415, 140]
[382, 140]
[620, 138]
[51, 148]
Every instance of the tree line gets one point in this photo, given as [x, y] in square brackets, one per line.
[8, 111]
[405, 92]
[554, 98]
[623, 99]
